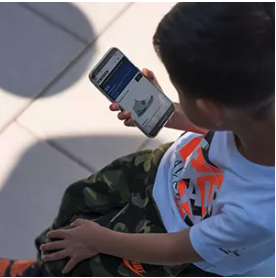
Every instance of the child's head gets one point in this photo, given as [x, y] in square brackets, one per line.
[221, 59]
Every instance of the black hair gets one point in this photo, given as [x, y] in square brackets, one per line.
[221, 51]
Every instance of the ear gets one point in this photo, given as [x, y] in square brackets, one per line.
[213, 110]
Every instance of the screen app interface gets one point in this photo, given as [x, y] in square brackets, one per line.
[124, 83]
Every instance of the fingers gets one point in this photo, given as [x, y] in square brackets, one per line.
[149, 74]
[59, 255]
[55, 245]
[70, 265]
[114, 106]
[61, 234]
[78, 222]
[129, 122]
[124, 115]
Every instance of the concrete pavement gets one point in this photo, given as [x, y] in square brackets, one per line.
[55, 127]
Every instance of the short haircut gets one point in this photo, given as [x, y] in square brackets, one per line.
[221, 51]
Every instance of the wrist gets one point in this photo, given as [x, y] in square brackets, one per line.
[104, 237]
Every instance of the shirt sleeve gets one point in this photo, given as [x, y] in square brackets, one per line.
[229, 237]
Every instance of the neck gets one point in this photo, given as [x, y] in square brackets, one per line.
[256, 142]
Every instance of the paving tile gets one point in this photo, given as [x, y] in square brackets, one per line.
[32, 54]
[78, 17]
[33, 177]
[82, 111]
[133, 32]
[10, 106]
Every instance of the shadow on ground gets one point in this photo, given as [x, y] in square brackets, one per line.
[35, 48]
[31, 195]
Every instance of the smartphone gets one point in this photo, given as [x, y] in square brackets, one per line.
[122, 82]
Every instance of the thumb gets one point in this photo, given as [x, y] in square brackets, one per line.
[77, 223]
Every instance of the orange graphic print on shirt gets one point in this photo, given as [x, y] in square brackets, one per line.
[196, 180]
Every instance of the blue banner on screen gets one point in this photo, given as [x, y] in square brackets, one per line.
[119, 78]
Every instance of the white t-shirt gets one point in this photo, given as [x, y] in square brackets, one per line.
[203, 182]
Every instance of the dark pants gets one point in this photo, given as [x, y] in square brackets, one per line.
[118, 197]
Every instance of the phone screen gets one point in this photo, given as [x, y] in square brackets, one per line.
[126, 85]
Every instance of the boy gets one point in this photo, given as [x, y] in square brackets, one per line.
[204, 205]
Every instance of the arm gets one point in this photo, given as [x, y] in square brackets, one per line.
[158, 249]
[181, 122]
[177, 121]
[88, 239]
[232, 238]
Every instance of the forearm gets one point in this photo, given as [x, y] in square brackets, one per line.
[180, 121]
[158, 249]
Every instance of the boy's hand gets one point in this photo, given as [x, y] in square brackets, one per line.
[126, 115]
[73, 243]
[178, 121]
